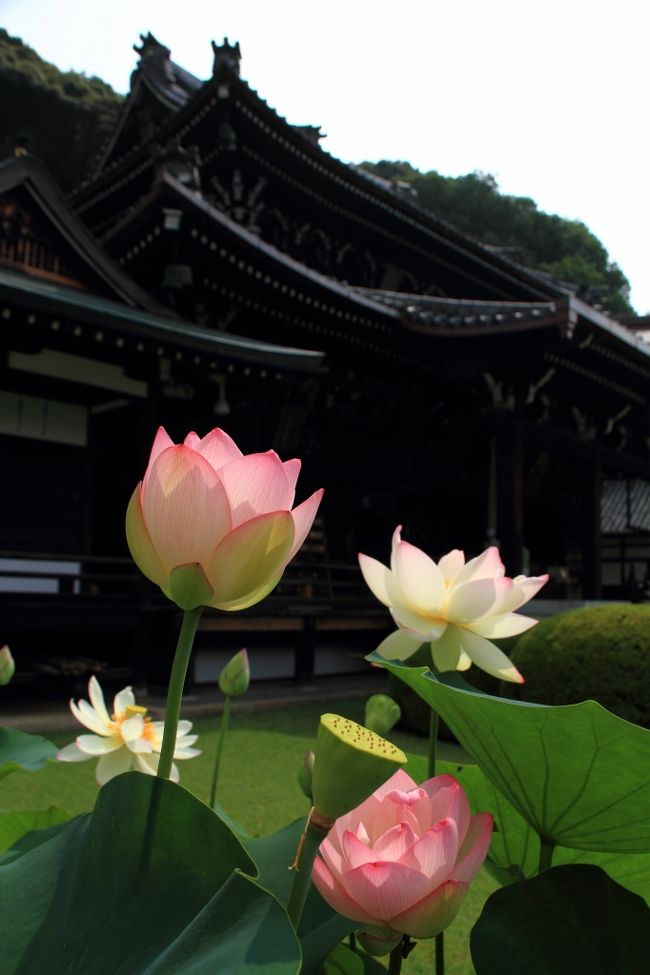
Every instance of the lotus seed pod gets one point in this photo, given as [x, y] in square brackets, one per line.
[351, 762]
[382, 713]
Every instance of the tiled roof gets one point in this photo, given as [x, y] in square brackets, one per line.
[167, 79]
[452, 313]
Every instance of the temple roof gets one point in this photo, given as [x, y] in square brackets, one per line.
[94, 312]
[433, 313]
[28, 175]
[166, 79]
[387, 208]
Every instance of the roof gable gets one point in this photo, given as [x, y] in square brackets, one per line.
[41, 236]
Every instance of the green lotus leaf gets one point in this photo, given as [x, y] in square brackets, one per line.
[15, 825]
[515, 847]
[147, 884]
[569, 919]
[577, 774]
[18, 750]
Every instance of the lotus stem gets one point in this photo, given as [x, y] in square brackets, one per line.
[175, 692]
[545, 855]
[223, 728]
[440, 953]
[312, 837]
[434, 721]
[395, 960]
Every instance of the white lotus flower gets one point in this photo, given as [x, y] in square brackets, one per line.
[456, 606]
[126, 739]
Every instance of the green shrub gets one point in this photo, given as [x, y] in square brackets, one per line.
[600, 653]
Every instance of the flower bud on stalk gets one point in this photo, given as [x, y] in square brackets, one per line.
[236, 675]
[7, 665]
[382, 713]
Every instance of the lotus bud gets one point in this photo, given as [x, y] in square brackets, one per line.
[350, 763]
[236, 675]
[7, 665]
[382, 713]
[305, 773]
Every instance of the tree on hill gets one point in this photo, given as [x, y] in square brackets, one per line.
[565, 249]
[61, 116]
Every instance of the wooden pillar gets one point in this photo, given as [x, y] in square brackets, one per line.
[591, 526]
[509, 476]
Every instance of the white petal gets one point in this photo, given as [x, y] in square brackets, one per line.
[487, 565]
[464, 662]
[396, 539]
[183, 727]
[147, 763]
[96, 745]
[398, 646]
[72, 753]
[488, 657]
[140, 746]
[186, 741]
[377, 578]
[419, 577]
[113, 764]
[88, 717]
[523, 589]
[422, 626]
[122, 700]
[447, 650]
[181, 753]
[97, 699]
[499, 627]
[451, 564]
[132, 727]
[474, 599]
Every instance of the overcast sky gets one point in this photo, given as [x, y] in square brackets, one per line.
[552, 98]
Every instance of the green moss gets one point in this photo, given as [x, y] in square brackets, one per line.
[600, 653]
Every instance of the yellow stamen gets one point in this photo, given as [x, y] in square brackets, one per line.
[132, 709]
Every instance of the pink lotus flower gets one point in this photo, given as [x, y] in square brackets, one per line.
[213, 527]
[454, 605]
[401, 862]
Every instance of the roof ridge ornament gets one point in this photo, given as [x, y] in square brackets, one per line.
[150, 47]
[226, 55]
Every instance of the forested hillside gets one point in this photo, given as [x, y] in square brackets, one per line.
[61, 116]
[564, 248]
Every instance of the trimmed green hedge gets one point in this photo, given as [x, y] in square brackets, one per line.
[600, 653]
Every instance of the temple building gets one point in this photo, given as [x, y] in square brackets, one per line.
[219, 267]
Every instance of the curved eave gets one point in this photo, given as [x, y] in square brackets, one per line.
[412, 214]
[260, 251]
[506, 274]
[56, 302]
[30, 173]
